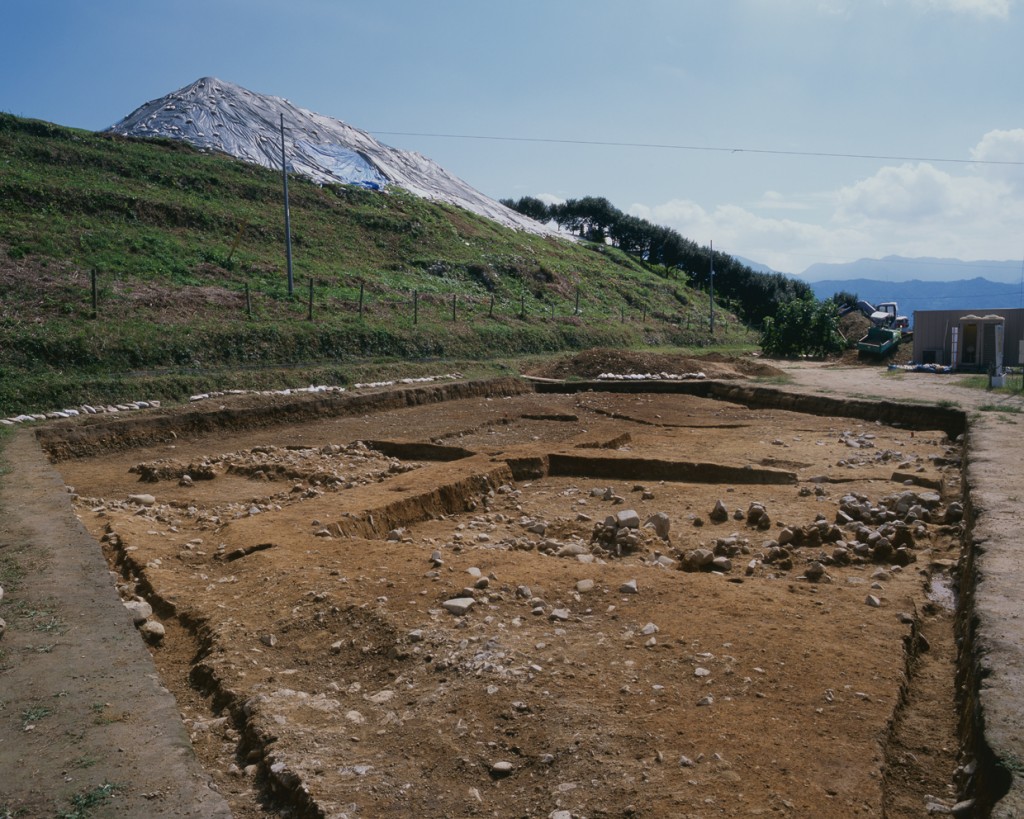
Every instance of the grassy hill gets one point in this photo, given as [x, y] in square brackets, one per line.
[188, 254]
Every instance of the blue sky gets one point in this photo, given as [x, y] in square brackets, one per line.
[811, 94]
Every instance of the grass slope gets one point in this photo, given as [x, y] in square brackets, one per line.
[176, 238]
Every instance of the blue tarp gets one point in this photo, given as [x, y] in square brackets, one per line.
[347, 165]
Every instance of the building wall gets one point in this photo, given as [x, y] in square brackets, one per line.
[932, 332]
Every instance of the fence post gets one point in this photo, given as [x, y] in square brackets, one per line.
[522, 305]
[415, 306]
[454, 297]
[310, 317]
[248, 302]
[95, 297]
[490, 313]
[622, 314]
[576, 312]
[361, 285]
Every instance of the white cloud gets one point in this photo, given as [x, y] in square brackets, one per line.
[1001, 147]
[914, 209]
[909, 193]
[550, 199]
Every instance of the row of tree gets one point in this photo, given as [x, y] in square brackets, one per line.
[752, 294]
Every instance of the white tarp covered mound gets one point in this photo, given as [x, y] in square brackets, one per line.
[221, 116]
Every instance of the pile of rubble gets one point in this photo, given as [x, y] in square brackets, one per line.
[332, 465]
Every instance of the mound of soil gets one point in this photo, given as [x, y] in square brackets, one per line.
[592, 363]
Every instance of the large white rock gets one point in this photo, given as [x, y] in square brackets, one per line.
[459, 605]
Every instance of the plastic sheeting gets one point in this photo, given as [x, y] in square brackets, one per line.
[220, 116]
[344, 163]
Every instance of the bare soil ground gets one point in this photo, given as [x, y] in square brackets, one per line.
[304, 582]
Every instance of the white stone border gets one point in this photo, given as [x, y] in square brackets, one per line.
[651, 376]
[89, 409]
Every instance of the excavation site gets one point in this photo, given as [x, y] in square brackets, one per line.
[543, 599]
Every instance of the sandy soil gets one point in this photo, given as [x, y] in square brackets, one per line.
[302, 582]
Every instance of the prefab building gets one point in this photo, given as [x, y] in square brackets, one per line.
[968, 340]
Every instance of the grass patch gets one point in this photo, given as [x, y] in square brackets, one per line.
[82, 804]
[35, 714]
[1000, 408]
[158, 221]
[12, 573]
[42, 618]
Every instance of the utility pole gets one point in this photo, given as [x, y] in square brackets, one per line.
[287, 214]
[711, 248]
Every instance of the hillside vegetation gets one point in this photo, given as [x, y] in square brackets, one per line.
[176, 239]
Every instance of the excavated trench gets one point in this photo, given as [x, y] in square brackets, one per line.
[438, 482]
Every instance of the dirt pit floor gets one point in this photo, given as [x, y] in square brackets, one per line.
[457, 609]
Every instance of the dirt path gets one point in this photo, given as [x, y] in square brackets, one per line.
[86, 728]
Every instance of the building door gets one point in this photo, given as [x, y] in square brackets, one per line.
[970, 344]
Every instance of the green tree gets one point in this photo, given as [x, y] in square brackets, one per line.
[802, 327]
[843, 298]
[529, 206]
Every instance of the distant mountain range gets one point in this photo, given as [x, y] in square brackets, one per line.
[215, 115]
[976, 294]
[901, 269]
[951, 284]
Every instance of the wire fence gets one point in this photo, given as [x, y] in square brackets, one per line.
[356, 300]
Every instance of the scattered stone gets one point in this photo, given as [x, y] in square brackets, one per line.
[629, 587]
[3, 627]
[705, 701]
[585, 585]
[269, 640]
[719, 514]
[501, 768]
[660, 523]
[627, 519]
[722, 564]
[139, 610]
[872, 601]
[696, 559]
[572, 550]
[560, 614]
[152, 631]
[142, 500]
[458, 605]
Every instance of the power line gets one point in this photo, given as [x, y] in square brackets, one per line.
[709, 148]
